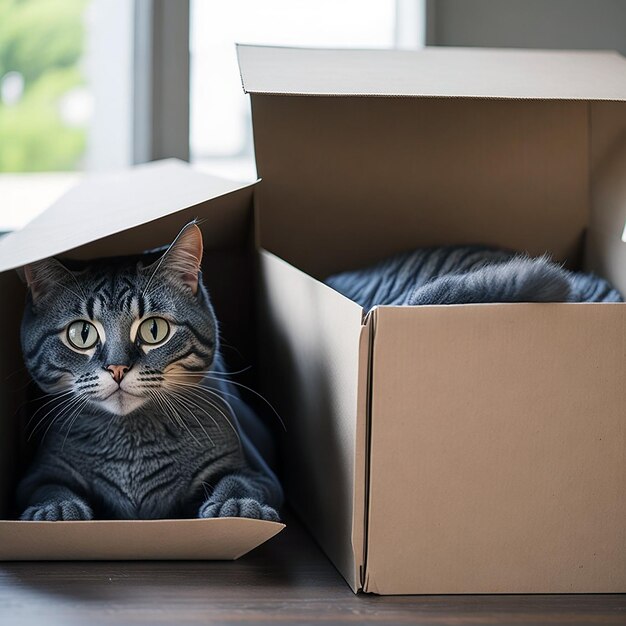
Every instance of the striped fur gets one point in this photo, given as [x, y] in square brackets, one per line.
[173, 438]
[466, 275]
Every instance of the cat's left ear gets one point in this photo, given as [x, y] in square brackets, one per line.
[43, 276]
[184, 257]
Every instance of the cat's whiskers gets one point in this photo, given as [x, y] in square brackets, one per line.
[176, 415]
[211, 376]
[196, 389]
[172, 402]
[166, 408]
[57, 396]
[170, 411]
[65, 403]
[174, 369]
[68, 407]
[157, 400]
[182, 395]
[186, 402]
[72, 419]
[199, 388]
[153, 396]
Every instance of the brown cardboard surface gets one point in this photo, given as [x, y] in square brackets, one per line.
[458, 486]
[349, 181]
[192, 539]
[310, 344]
[126, 213]
[606, 251]
[106, 204]
[438, 72]
[497, 457]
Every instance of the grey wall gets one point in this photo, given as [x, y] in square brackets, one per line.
[574, 24]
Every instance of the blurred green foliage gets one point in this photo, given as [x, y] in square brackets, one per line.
[43, 40]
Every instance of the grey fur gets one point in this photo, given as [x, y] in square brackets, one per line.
[466, 275]
[185, 446]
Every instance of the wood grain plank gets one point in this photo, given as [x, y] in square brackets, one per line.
[286, 581]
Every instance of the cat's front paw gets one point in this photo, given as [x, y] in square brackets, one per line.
[60, 511]
[239, 507]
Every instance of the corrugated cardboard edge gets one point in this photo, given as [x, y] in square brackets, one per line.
[432, 72]
[368, 585]
[181, 539]
[361, 454]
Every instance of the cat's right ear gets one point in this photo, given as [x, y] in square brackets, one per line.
[42, 276]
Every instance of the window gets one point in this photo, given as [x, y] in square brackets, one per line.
[89, 85]
[220, 127]
[64, 98]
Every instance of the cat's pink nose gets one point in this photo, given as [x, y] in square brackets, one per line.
[117, 371]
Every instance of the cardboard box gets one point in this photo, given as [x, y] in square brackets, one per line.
[464, 449]
[446, 449]
[126, 213]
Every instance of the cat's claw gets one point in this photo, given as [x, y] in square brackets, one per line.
[61, 511]
[239, 507]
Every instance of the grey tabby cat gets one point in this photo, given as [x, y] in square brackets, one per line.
[146, 425]
[469, 275]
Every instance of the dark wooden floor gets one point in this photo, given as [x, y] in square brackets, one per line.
[285, 581]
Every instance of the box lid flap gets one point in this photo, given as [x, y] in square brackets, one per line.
[434, 72]
[211, 539]
[106, 204]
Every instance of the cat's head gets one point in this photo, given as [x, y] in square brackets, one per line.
[120, 333]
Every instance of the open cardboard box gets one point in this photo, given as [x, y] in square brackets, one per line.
[446, 449]
[126, 213]
[462, 449]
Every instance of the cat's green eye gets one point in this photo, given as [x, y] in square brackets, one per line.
[82, 335]
[154, 330]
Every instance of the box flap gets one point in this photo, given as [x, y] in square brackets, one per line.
[214, 539]
[106, 204]
[312, 363]
[434, 72]
[364, 178]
